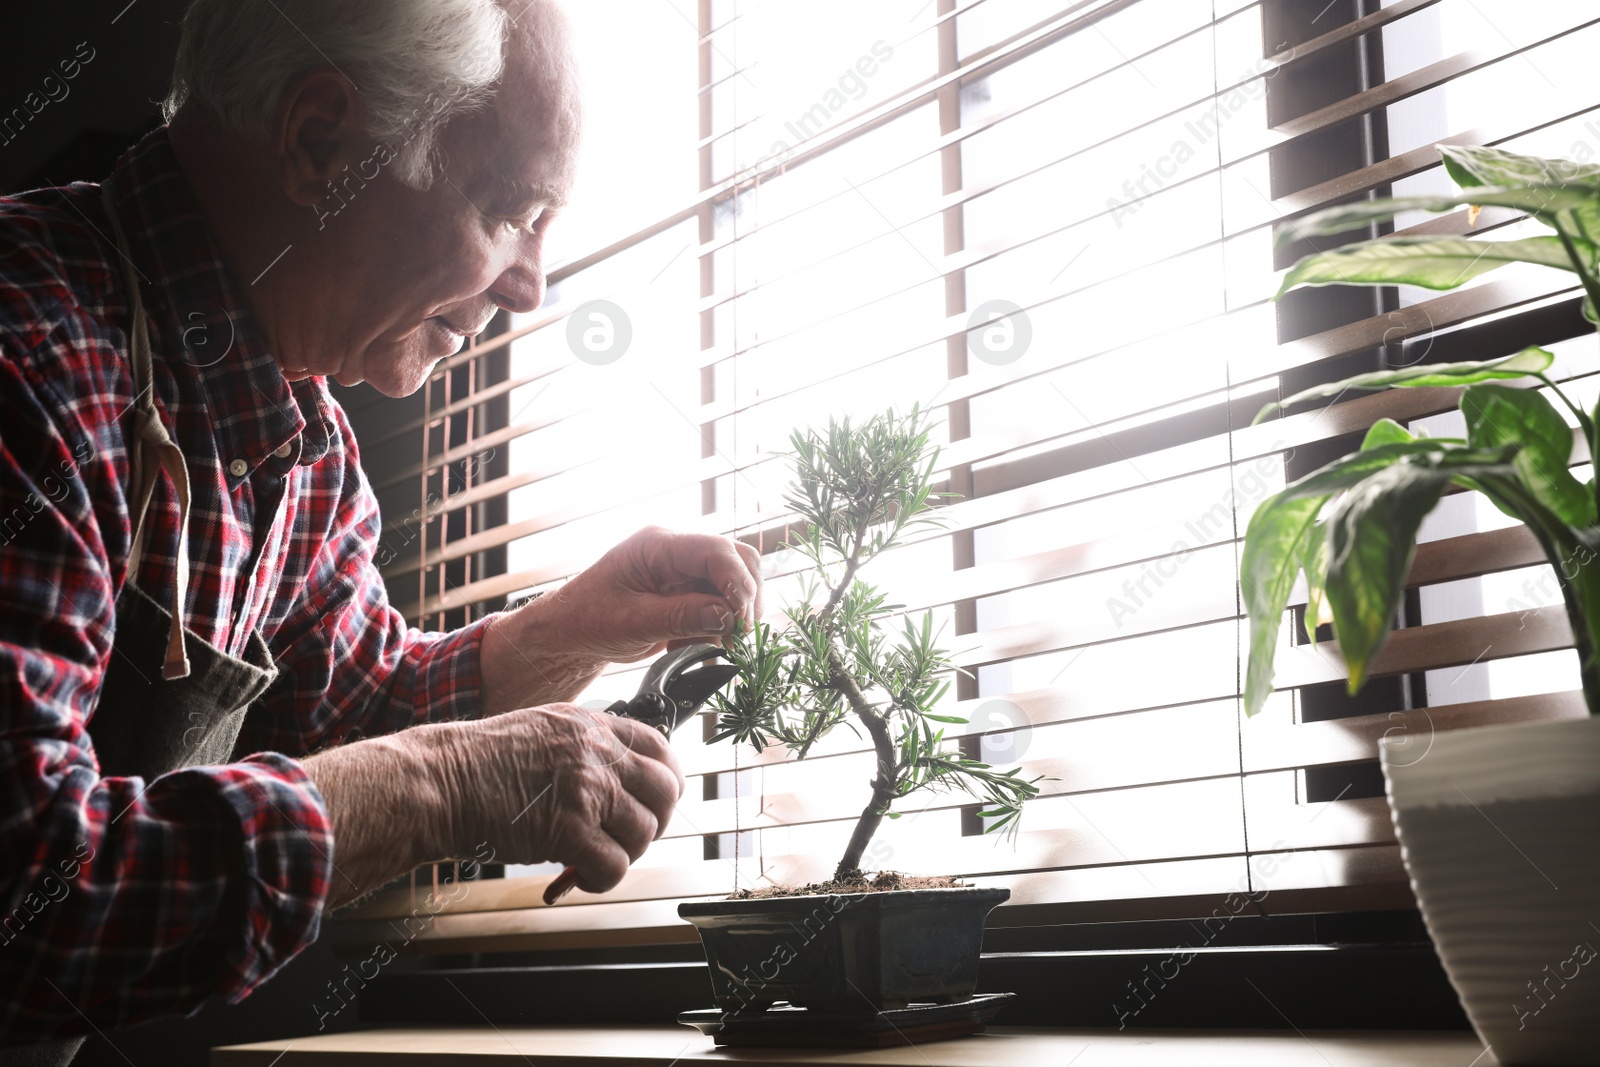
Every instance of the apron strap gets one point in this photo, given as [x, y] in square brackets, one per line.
[151, 441]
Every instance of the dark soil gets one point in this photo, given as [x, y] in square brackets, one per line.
[886, 882]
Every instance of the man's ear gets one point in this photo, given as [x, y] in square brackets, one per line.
[319, 131]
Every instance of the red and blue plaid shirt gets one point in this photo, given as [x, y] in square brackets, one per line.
[120, 898]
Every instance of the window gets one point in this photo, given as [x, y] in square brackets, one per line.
[1052, 222]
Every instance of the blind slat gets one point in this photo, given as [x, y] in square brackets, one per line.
[1445, 644]
[1043, 486]
[1273, 742]
[1438, 313]
[1278, 819]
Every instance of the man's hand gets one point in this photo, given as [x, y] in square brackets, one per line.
[657, 590]
[559, 783]
[660, 589]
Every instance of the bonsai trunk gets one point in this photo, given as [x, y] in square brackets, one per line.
[882, 786]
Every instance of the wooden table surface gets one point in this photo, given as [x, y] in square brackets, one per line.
[636, 1046]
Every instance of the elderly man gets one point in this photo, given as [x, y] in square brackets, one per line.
[186, 552]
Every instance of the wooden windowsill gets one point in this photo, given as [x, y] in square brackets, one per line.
[658, 1046]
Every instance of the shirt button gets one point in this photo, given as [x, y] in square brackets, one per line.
[285, 451]
[238, 468]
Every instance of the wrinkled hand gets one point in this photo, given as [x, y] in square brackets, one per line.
[558, 782]
[657, 590]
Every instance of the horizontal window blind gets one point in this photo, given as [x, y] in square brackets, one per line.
[1052, 224]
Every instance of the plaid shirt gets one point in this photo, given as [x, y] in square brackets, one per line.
[123, 899]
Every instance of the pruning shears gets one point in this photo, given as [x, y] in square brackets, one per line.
[672, 692]
[674, 688]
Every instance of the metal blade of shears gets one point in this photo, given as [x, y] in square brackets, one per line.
[674, 688]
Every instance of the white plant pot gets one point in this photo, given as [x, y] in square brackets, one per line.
[1499, 827]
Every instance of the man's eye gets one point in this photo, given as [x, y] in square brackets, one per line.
[523, 225]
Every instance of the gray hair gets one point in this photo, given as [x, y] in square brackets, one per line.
[416, 64]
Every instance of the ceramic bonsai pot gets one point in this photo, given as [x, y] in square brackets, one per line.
[857, 952]
[1499, 828]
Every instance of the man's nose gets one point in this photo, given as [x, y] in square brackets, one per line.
[520, 288]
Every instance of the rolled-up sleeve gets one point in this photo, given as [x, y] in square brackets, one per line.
[120, 898]
[349, 665]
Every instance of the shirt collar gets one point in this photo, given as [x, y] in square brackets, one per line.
[200, 317]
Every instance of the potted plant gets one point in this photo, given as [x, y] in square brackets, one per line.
[854, 945]
[1497, 824]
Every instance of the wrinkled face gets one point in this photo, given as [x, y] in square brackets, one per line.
[419, 271]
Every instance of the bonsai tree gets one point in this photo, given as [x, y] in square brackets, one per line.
[857, 490]
[1351, 527]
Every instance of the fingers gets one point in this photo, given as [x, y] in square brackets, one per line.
[640, 739]
[656, 786]
[723, 565]
[602, 851]
[599, 860]
[697, 616]
[632, 826]
[648, 771]
[661, 589]
[561, 782]
[752, 561]
[617, 798]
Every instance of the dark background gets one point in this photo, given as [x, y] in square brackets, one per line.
[113, 100]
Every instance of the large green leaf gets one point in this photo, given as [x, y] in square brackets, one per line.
[1372, 536]
[1273, 544]
[1431, 262]
[1498, 415]
[1275, 541]
[1473, 167]
[1346, 471]
[1349, 470]
[1528, 362]
[1314, 562]
[1541, 201]
[1386, 432]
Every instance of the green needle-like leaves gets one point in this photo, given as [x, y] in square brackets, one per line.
[841, 660]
